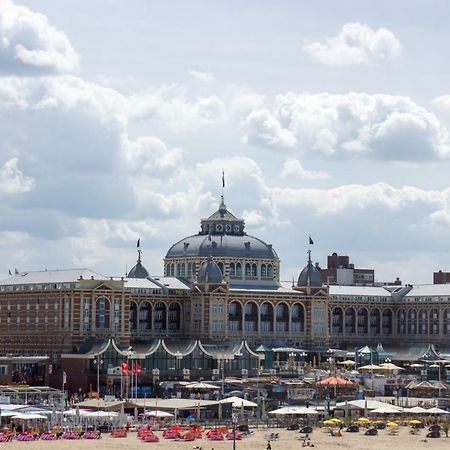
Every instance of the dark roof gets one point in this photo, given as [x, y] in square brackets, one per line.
[138, 271]
[209, 272]
[240, 246]
[310, 276]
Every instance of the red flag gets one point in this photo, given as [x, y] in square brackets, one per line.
[124, 368]
[138, 368]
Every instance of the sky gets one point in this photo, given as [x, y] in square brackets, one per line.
[329, 119]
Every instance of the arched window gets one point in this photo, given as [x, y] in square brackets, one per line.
[248, 270]
[263, 270]
[232, 269]
[102, 313]
[220, 265]
[254, 270]
[183, 270]
[269, 271]
[189, 269]
[172, 270]
[179, 270]
[238, 270]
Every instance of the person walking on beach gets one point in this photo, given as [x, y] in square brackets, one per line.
[269, 447]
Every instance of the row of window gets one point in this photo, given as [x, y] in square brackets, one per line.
[235, 270]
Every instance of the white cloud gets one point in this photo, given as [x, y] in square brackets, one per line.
[262, 128]
[356, 44]
[293, 168]
[172, 107]
[149, 155]
[28, 43]
[205, 77]
[358, 197]
[360, 125]
[12, 180]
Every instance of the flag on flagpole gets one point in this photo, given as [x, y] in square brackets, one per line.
[223, 178]
[138, 243]
[311, 242]
[64, 378]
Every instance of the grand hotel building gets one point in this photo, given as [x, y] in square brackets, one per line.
[220, 305]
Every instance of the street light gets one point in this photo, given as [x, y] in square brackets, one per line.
[97, 362]
[388, 361]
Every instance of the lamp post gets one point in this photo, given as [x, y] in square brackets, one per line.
[97, 362]
[234, 420]
[388, 361]
[130, 354]
[332, 362]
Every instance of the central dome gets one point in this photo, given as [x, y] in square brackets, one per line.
[222, 237]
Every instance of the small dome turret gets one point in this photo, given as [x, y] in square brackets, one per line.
[138, 271]
[209, 273]
[310, 275]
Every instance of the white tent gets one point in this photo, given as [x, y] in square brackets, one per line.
[103, 414]
[388, 409]
[293, 410]
[31, 416]
[239, 402]
[8, 413]
[200, 386]
[436, 410]
[74, 412]
[159, 414]
[416, 410]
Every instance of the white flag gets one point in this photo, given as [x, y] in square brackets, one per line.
[64, 377]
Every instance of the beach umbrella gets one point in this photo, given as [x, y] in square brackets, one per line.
[5, 413]
[392, 424]
[388, 409]
[347, 362]
[416, 365]
[363, 420]
[415, 422]
[329, 422]
[391, 367]
[370, 367]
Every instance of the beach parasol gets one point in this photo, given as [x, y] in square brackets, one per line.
[347, 362]
[391, 424]
[415, 422]
[370, 367]
[363, 420]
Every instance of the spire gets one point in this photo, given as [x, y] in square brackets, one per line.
[138, 245]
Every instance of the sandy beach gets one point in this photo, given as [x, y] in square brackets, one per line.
[287, 440]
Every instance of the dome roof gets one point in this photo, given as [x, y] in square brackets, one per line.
[209, 273]
[310, 275]
[239, 246]
[222, 235]
[138, 271]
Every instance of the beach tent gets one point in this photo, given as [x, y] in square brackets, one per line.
[294, 411]
[200, 385]
[158, 414]
[335, 381]
[32, 416]
[436, 410]
[238, 402]
[388, 409]
[416, 410]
